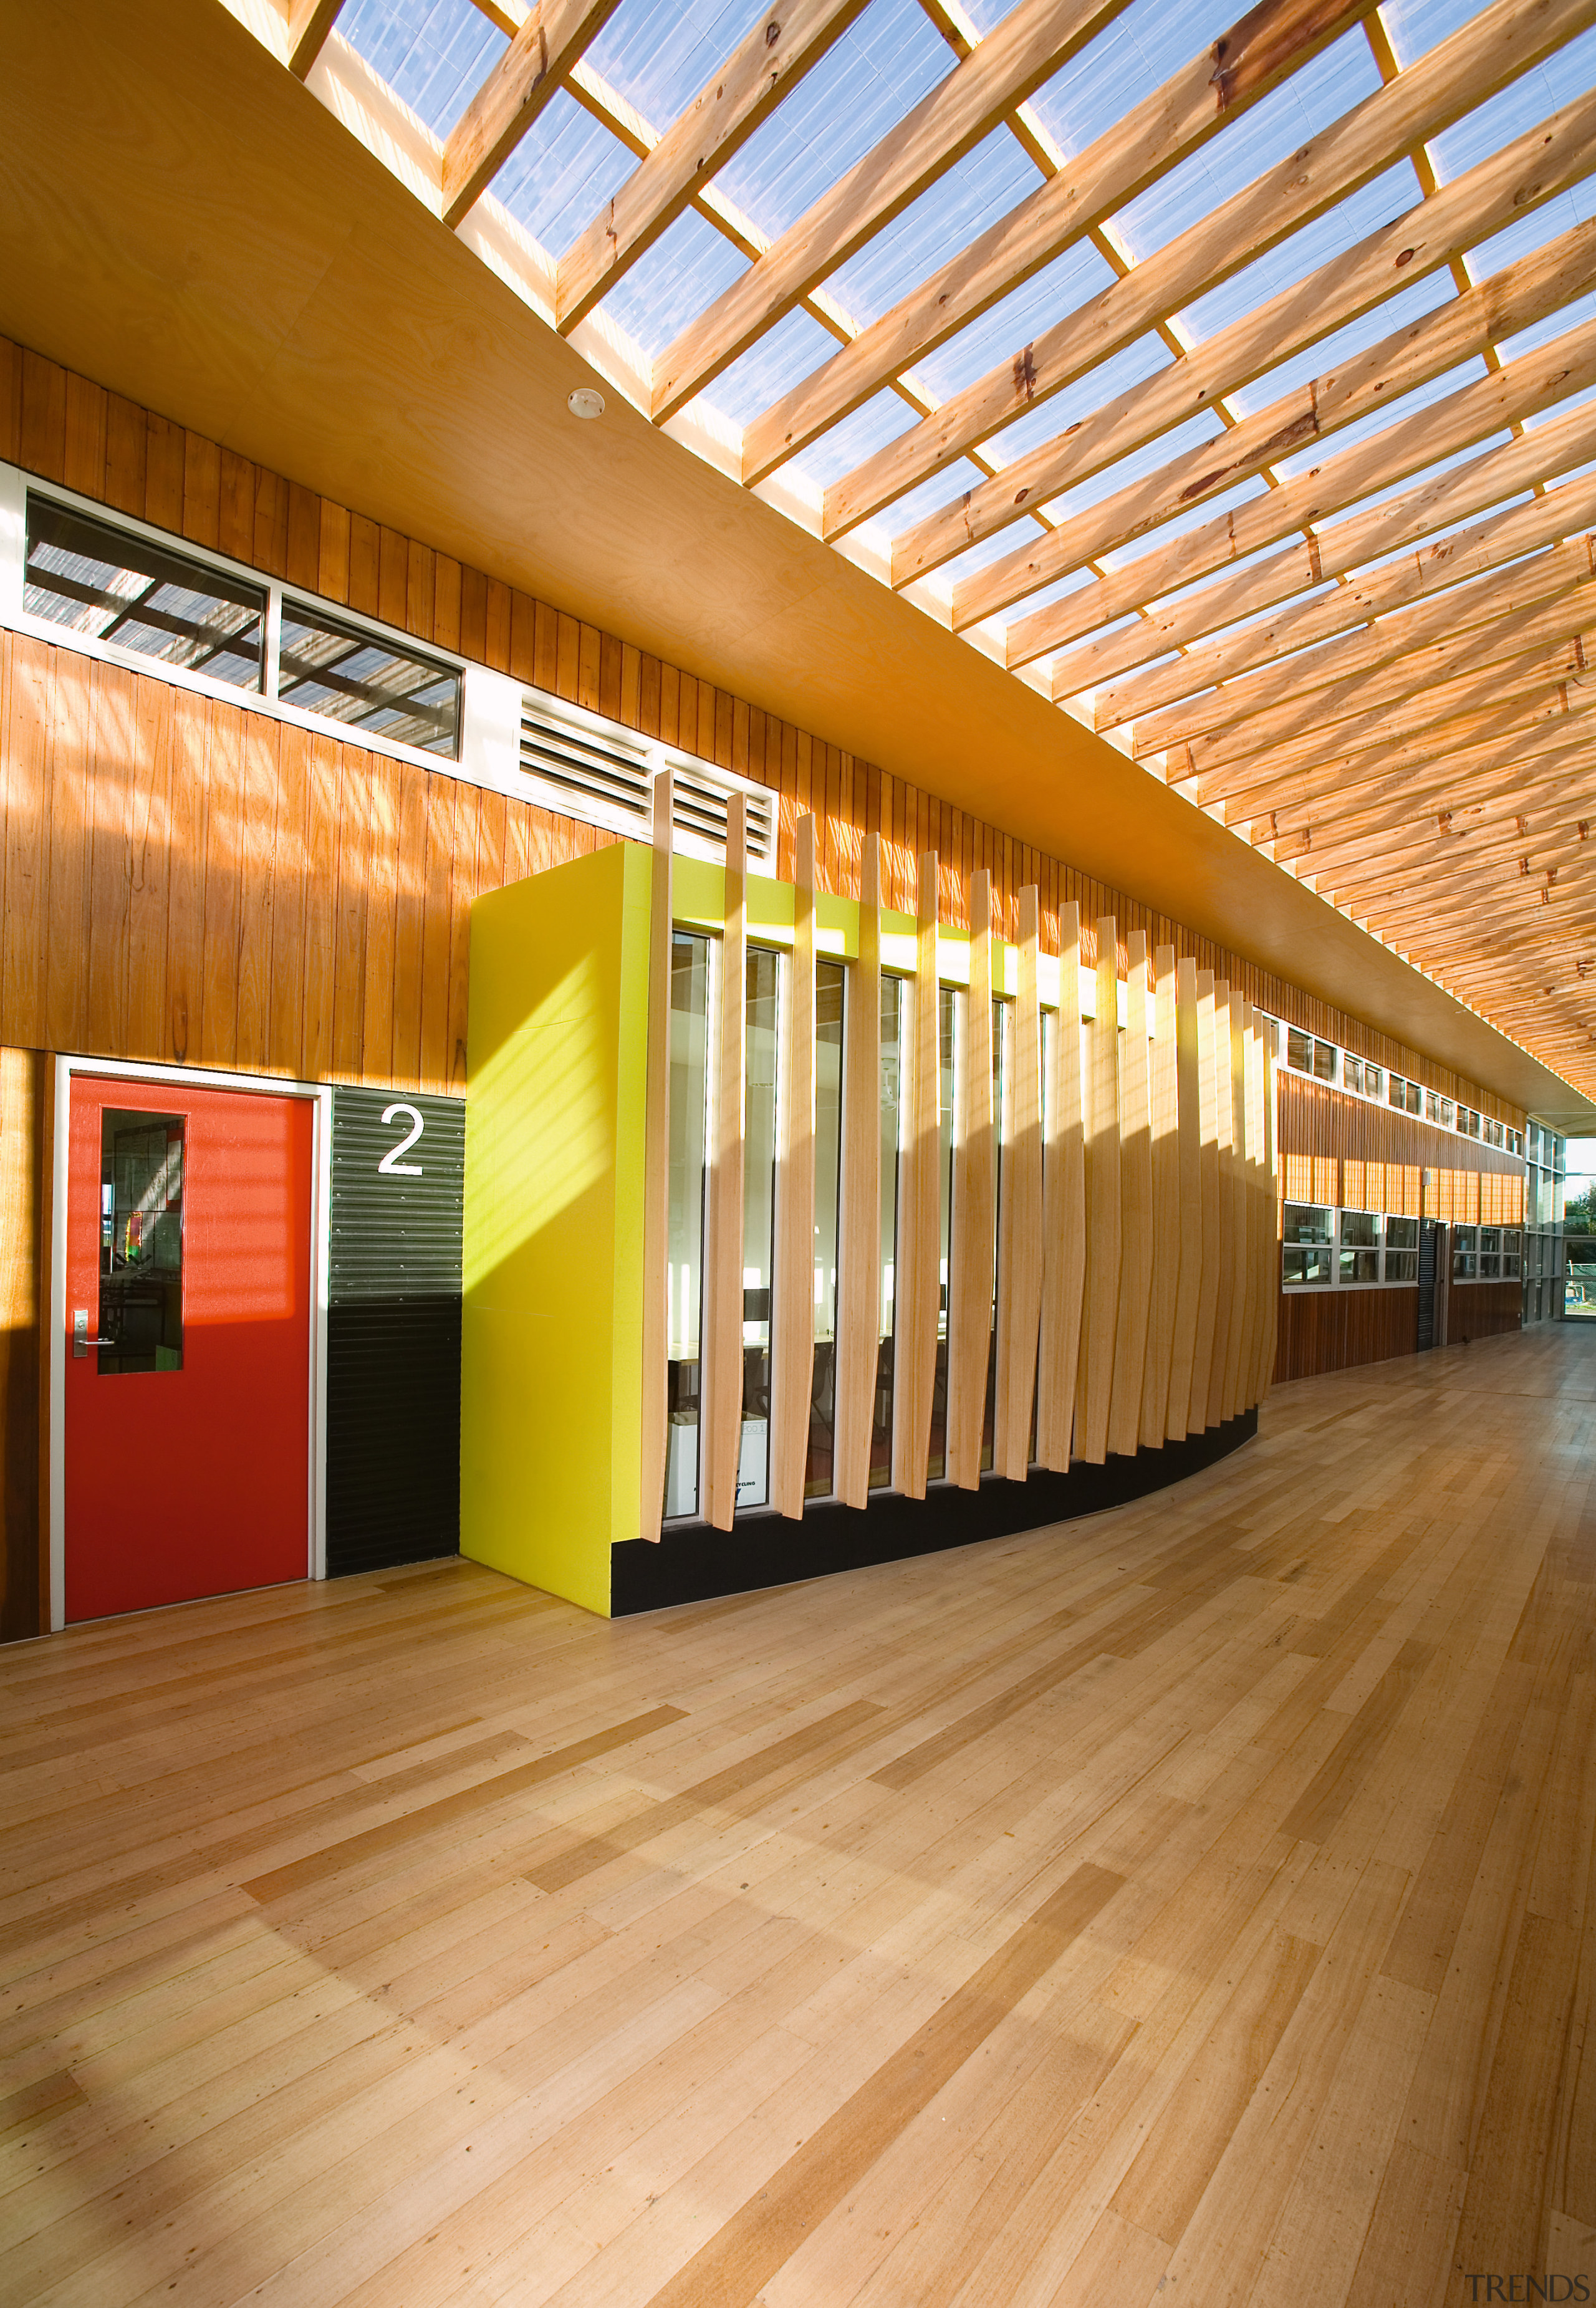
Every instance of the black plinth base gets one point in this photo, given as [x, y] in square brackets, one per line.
[691, 1563]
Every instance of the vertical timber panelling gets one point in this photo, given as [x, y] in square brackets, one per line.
[1208, 1296]
[656, 1179]
[859, 1274]
[1163, 1093]
[793, 1308]
[973, 1262]
[1188, 1123]
[1020, 1211]
[1100, 1305]
[1135, 1208]
[920, 1285]
[722, 1384]
[1064, 1209]
[1224, 1099]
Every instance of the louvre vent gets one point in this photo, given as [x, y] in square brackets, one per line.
[593, 770]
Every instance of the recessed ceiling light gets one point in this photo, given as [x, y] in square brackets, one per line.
[585, 401]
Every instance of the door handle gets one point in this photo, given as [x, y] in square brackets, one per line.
[81, 1341]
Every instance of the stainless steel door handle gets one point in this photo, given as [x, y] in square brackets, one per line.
[81, 1341]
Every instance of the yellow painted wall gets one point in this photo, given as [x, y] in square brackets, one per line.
[551, 1347]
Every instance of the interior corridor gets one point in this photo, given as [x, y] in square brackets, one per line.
[1196, 1901]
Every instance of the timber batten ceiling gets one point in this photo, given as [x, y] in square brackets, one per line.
[1241, 401]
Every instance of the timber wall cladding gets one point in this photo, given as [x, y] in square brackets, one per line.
[68, 429]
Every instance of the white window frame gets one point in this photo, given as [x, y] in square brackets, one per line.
[16, 486]
[320, 1094]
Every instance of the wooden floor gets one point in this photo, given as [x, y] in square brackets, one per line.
[1194, 1903]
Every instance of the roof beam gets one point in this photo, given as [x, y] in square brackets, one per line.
[1013, 61]
[1219, 85]
[310, 21]
[1401, 830]
[760, 71]
[1292, 822]
[1455, 560]
[1534, 169]
[1417, 910]
[1461, 328]
[521, 84]
[1471, 655]
[1401, 521]
[1482, 601]
[1467, 700]
[1535, 381]
[1504, 40]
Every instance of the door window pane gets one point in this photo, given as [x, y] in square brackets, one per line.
[141, 1242]
[689, 1025]
[894, 1027]
[759, 1225]
[819, 1478]
[113, 587]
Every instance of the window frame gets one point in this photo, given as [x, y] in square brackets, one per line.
[17, 486]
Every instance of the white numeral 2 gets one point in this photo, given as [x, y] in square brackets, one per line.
[391, 1162]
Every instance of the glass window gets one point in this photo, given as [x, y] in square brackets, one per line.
[1352, 1073]
[759, 1224]
[1324, 1056]
[1402, 1250]
[1464, 1254]
[1302, 1222]
[110, 586]
[1415, 1098]
[1490, 1252]
[141, 1242]
[1305, 1266]
[1374, 1082]
[819, 1476]
[950, 1035]
[370, 684]
[1446, 1114]
[689, 1083]
[1299, 1050]
[895, 995]
[1359, 1256]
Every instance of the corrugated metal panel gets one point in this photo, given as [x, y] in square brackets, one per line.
[393, 1329]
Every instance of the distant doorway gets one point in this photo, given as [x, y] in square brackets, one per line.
[190, 1305]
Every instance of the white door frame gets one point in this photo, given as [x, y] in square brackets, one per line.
[193, 1078]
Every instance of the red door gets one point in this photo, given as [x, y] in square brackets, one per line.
[187, 1348]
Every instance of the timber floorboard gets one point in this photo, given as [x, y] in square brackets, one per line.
[1196, 1903]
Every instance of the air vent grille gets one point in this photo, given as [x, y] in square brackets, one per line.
[593, 770]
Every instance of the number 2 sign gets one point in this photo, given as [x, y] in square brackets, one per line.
[391, 1164]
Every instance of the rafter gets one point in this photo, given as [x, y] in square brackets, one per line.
[1523, 387]
[1439, 340]
[1459, 73]
[310, 23]
[1451, 781]
[1482, 601]
[761, 70]
[1219, 85]
[1468, 701]
[524, 80]
[1472, 655]
[1024, 50]
[1534, 169]
[1457, 831]
[1453, 562]
[1558, 446]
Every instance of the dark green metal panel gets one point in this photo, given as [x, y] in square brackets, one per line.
[393, 1329]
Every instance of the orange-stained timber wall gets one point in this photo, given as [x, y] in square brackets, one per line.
[186, 880]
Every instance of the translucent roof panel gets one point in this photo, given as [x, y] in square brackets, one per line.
[1052, 293]
[658, 54]
[1101, 387]
[784, 354]
[1332, 352]
[1522, 104]
[984, 186]
[1127, 61]
[434, 54]
[561, 173]
[1375, 205]
[687, 269]
[859, 92]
